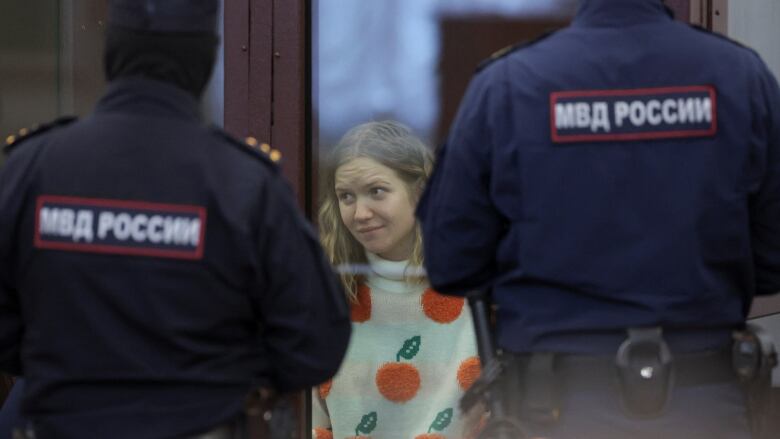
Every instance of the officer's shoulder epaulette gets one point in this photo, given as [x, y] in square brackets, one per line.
[14, 140]
[503, 52]
[250, 146]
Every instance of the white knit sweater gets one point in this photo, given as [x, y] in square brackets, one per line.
[411, 356]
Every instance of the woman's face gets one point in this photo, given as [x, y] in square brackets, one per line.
[376, 207]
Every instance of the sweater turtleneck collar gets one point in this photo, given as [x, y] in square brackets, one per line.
[390, 275]
[391, 270]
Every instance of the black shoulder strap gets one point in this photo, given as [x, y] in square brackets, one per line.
[260, 151]
[13, 141]
[501, 53]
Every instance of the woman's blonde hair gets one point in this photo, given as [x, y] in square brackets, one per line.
[390, 144]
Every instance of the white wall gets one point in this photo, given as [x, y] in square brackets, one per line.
[756, 23]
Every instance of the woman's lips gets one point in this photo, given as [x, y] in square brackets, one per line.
[369, 229]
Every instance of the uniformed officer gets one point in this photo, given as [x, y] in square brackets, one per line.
[617, 186]
[153, 271]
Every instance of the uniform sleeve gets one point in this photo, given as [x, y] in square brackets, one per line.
[765, 212]
[304, 312]
[461, 225]
[11, 196]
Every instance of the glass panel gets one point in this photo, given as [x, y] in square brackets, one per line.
[214, 96]
[771, 324]
[407, 61]
[381, 59]
[754, 23]
[50, 60]
[51, 63]
[29, 64]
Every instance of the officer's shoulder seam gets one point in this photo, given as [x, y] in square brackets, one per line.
[261, 152]
[15, 140]
[512, 48]
[722, 37]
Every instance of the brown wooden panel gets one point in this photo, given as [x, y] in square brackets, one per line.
[710, 14]
[236, 91]
[461, 52]
[719, 15]
[290, 108]
[681, 8]
[312, 124]
[290, 100]
[259, 110]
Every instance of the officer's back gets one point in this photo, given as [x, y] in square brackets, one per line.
[641, 209]
[616, 185]
[154, 270]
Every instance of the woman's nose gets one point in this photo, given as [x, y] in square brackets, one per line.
[363, 211]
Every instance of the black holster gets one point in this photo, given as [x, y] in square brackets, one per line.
[531, 389]
[270, 415]
[501, 423]
[645, 373]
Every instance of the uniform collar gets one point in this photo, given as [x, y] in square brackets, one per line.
[149, 96]
[619, 13]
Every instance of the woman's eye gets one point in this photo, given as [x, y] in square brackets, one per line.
[345, 197]
[378, 191]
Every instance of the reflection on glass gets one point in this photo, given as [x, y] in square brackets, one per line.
[51, 63]
[412, 352]
[755, 24]
[381, 59]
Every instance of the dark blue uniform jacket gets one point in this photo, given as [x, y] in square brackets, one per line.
[153, 271]
[622, 172]
[11, 411]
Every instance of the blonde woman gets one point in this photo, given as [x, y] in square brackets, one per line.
[413, 351]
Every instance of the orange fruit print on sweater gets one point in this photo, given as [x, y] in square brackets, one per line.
[361, 311]
[468, 372]
[399, 382]
[324, 388]
[322, 433]
[441, 308]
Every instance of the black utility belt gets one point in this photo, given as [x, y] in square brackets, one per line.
[580, 372]
[643, 371]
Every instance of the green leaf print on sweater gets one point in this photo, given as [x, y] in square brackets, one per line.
[442, 420]
[410, 349]
[367, 424]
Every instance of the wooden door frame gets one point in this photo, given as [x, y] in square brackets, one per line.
[267, 97]
[710, 14]
[267, 82]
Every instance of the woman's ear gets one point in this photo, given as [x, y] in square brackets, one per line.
[419, 188]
